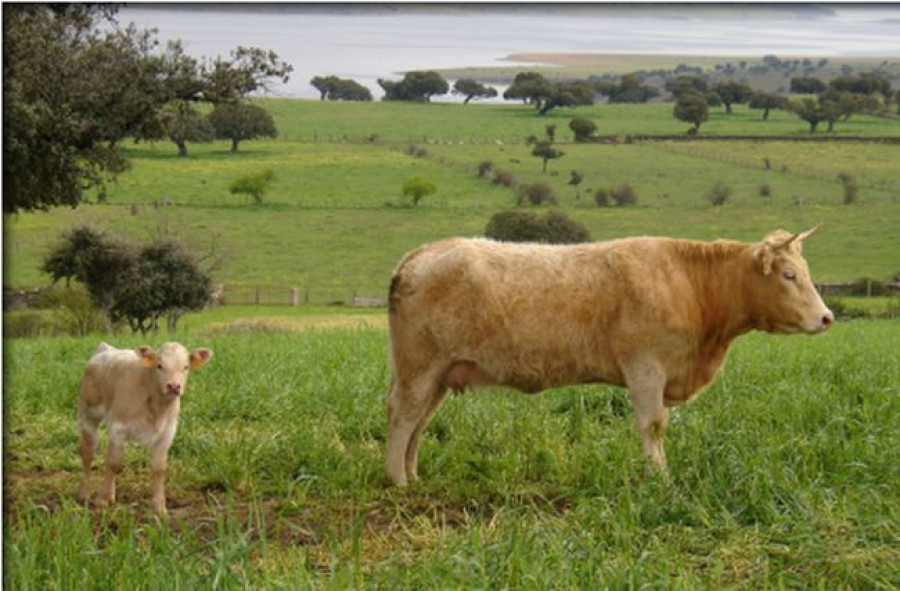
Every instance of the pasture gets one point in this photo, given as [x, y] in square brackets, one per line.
[785, 475]
[785, 469]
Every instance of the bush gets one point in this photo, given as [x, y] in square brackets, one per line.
[505, 178]
[414, 150]
[538, 193]
[74, 313]
[718, 194]
[484, 168]
[418, 187]
[765, 190]
[851, 190]
[583, 128]
[624, 195]
[601, 197]
[519, 226]
[254, 185]
[28, 323]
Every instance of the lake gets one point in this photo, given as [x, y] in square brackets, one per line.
[367, 42]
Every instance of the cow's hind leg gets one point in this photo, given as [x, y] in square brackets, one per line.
[412, 449]
[646, 382]
[407, 404]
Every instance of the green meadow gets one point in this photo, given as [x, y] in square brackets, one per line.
[335, 222]
[784, 472]
[785, 469]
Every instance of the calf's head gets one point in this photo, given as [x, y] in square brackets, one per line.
[783, 298]
[171, 365]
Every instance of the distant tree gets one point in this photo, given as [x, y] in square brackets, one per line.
[866, 83]
[544, 150]
[814, 111]
[472, 89]
[687, 84]
[247, 70]
[550, 130]
[807, 86]
[529, 87]
[418, 187]
[333, 88]
[733, 93]
[416, 86]
[575, 180]
[183, 124]
[630, 90]
[239, 121]
[692, 108]
[567, 94]
[255, 184]
[624, 195]
[766, 102]
[583, 128]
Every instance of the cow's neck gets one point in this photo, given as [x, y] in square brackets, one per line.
[720, 288]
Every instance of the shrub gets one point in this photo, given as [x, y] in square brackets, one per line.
[601, 197]
[254, 185]
[583, 128]
[538, 193]
[418, 187]
[505, 178]
[414, 150]
[624, 195]
[484, 168]
[765, 190]
[74, 313]
[851, 190]
[519, 226]
[718, 194]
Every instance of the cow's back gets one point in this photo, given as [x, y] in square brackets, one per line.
[109, 371]
[525, 312]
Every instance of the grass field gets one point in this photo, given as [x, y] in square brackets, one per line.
[335, 222]
[785, 475]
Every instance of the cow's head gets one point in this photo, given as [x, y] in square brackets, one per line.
[171, 365]
[783, 297]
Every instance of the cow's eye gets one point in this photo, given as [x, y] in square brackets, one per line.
[789, 274]
[159, 366]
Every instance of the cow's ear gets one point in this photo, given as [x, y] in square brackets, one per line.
[147, 355]
[764, 256]
[199, 357]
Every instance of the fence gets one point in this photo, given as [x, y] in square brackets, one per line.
[276, 295]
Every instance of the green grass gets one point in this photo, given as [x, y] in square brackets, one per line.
[335, 222]
[785, 475]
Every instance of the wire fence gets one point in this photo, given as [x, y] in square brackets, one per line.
[278, 295]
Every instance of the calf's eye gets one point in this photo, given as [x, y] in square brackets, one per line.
[159, 366]
[789, 274]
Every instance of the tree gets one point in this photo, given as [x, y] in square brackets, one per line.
[544, 150]
[567, 94]
[529, 87]
[165, 280]
[692, 108]
[333, 88]
[685, 84]
[814, 111]
[183, 124]
[69, 95]
[249, 69]
[103, 264]
[254, 185]
[732, 93]
[575, 180]
[417, 86]
[472, 89]
[583, 128]
[418, 187]
[630, 90]
[240, 121]
[807, 86]
[766, 102]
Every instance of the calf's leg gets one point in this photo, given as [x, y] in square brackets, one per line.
[115, 456]
[158, 465]
[87, 449]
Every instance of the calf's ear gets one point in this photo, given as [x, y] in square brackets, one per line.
[199, 357]
[147, 355]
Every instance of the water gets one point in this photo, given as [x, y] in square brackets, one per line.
[370, 42]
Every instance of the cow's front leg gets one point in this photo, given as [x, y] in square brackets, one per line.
[646, 383]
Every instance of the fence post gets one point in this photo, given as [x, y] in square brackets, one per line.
[257, 295]
[295, 296]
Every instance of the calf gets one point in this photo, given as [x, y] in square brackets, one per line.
[138, 393]
[655, 315]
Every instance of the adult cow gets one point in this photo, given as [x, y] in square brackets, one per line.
[655, 315]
